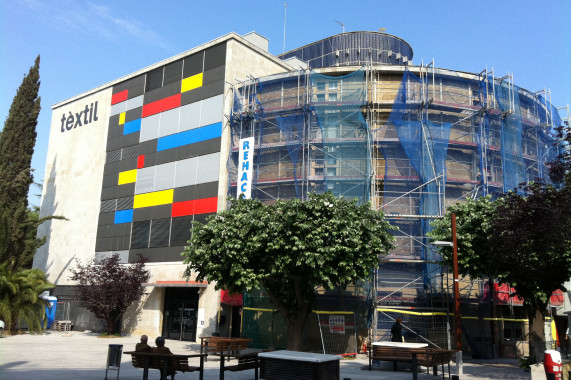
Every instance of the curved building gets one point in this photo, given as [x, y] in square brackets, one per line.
[361, 121]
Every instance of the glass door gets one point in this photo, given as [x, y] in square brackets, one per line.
[180, 316]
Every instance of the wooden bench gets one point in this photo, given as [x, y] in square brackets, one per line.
[165, 363]
[426, 357]
[233, 348]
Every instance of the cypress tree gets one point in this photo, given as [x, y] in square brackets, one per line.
[17, 141]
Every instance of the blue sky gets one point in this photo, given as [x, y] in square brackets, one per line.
[84, 44]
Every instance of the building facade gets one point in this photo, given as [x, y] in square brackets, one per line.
[348, 114]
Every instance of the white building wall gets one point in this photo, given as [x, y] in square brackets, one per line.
[72, 188]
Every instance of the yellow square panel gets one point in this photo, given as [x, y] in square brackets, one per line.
[129, 176]
[191, 83]
[122, 118]
[156, 198]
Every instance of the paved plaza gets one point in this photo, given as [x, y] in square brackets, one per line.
[80, 355]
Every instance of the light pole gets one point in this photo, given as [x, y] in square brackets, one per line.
[457, 316]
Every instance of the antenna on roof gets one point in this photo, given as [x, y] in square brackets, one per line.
[285, 18]
[342, 25]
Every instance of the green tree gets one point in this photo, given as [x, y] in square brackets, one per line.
[19, 297]
[107, 287]
[17, 141]
[473, 226]
[289, 248]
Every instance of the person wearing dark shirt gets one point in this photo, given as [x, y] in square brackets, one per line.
[143, 346]
[161, 349]
[396, 331]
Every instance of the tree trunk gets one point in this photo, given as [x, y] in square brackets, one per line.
[537, 334]
[295, 333]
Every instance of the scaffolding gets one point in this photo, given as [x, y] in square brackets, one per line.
[410, 140]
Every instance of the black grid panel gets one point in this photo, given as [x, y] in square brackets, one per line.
[160, 233]
[140, 234]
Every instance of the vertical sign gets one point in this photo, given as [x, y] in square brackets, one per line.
[245, 163]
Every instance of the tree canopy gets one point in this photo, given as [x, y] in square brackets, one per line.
[522, 238]
[17, 141]
[107, 287]
[289, 248]
[473, 227]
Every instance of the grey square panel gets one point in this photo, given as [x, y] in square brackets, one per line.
[110, 180]
[145, 180]
[130, 139]
[214, 75]
[206, 147]
[104, 231]
[111, 168]
[206, 190]
[164, 176]
[189, 116]
[165, 156]
[212, 89]
[185, 174]
[148, 147]
[208, 167]
[134, 114]
[125, 190]
[190, 97]
[106, 218]
[162, 211]
[153, 96]
[128, 164]
[169, 122]
[171, 89]
[104, 244]
[115, 132]
[211, 110]
[134, 102]
[140, 214]
[182, 194]
[109, 193]
[118, 108]
[150, 127]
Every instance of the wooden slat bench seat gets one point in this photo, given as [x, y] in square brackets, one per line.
[233, 349]
[165, 363]
[426, 357]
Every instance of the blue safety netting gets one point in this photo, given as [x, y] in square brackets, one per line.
[513, 167]
[345, 140]
[292, 128]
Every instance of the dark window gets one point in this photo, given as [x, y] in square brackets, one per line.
[140, 235]
[214, 56]
[160, 233]
[180, 230]
[154, 79]
[173, 72]
[193, 65]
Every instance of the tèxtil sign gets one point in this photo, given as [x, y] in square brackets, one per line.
[88, 115]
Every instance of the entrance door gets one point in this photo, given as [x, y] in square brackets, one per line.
[180, 313]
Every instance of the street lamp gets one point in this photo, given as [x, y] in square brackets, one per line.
[457, 316]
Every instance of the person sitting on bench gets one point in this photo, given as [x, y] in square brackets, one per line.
[161, 349]
[143, 346]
